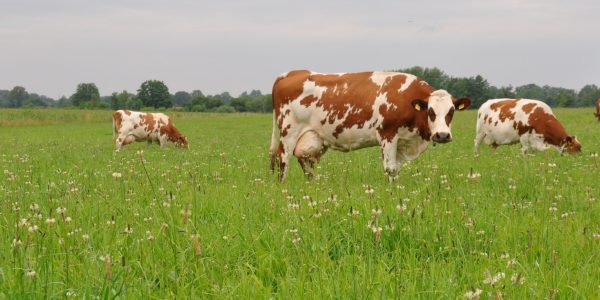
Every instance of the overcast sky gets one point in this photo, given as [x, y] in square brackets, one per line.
[214, 46]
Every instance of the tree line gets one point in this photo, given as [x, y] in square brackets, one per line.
[154, 94]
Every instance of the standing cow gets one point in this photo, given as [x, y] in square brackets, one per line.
[129, 126]
[530, 122]
[348, 111]
[597, 114]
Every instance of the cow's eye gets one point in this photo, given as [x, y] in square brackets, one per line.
[431, 114]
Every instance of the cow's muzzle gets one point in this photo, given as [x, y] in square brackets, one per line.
[441, 137]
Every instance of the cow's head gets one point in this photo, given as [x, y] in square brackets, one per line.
[440, 108]
[570, 144]
[181, 142]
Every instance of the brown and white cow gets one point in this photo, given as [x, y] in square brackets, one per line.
[399, 112]
[530, 122]
[130, 126]
[597, 114]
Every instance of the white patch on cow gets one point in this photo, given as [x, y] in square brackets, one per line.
[409, 80]
[283, 75]
[379, 78]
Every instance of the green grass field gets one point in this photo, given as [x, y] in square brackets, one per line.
[81, 220]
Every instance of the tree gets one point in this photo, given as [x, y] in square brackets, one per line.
[86, 92]
[17, 96]
[181, 97]
[119, 100]
[155, 93]
[134, 103]
[587, 95]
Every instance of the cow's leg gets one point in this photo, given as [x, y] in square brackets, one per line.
[308, 150]
[478, 138]
[389, 148]
[524, 144]
[123, 140]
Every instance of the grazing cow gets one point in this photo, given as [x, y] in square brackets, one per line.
[399, 112]
[530, 122]
[597, 114]
[129, 126]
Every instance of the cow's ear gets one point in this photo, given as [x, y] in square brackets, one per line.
[462, 103]
[419, 104]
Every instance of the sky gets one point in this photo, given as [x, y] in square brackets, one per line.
[49, 46]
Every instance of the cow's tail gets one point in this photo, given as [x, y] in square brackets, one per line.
[274, 144]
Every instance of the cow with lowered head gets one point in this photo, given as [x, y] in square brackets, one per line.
[130, 126]
[398, 112]
[525, 121]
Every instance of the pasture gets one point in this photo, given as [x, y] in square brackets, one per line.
[81, 220]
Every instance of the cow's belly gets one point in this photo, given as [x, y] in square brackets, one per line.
[503, 134]
[349, 139]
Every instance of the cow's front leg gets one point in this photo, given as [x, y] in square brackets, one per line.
[388, 151]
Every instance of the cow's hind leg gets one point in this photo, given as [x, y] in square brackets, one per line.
[478, 139]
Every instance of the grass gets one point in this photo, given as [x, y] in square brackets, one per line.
[81, 220]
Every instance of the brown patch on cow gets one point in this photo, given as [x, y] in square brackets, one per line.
[399, 111]
[117, 121]
[148, 119]
[449, 116]
[505, 107]
[527, 108]
[547, 125]
[127, 112]
[431, 114]
[173, 133]
[485, 118]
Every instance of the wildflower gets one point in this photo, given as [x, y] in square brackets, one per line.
[401, 207]
[369, 191]
[517, 278]
[377, 232]
[552, 209]
[128, 229]
[353, 212]
[473, 294]
[16, 242]
[34, 207]
[511, 263]
[31, 273]
[116, 175]
[33, 228]
[376, 212]
[61, 210]
[149, 235]
[492, 280]
[68, 219]
[596, 236]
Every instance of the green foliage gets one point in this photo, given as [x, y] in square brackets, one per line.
[86, 92]
[120, 100]
[154, 93]
[212, 222]
[17, 96]
[181, 98]
[134, 103]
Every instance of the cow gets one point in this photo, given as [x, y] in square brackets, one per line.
[530, 122]
[313, 112]
[130, 126]
[597, 114]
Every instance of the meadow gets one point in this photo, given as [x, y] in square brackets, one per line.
[78, 219]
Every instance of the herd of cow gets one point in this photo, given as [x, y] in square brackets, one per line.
[401, 113]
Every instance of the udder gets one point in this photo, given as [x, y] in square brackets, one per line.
[310, 144]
